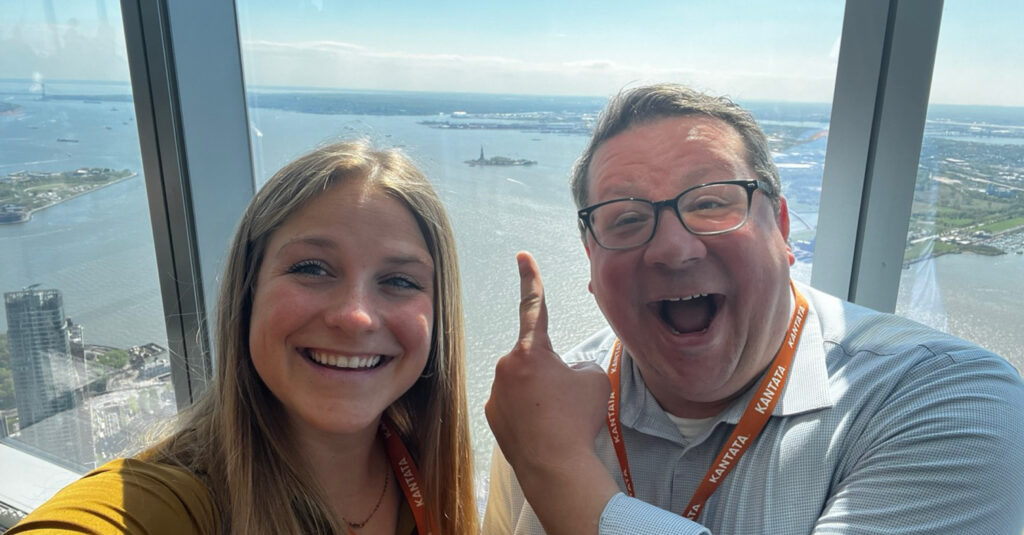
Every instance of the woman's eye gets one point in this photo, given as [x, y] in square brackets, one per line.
[314, 268]
[402, 282]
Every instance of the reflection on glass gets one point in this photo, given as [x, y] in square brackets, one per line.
[496, 102]
[965, 247]
[84, 369]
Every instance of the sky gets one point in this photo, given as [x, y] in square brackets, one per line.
[750, 50]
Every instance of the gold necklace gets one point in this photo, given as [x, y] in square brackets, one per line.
[357, 525]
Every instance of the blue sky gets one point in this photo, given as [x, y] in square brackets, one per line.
[758, 49]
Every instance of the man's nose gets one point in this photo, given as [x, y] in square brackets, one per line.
[673, 246]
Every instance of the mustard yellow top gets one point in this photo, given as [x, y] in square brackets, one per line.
[129, 496]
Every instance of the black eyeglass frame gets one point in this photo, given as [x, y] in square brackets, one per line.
[751, 186]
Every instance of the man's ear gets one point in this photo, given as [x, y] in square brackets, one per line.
[783, 223]
[783, 218]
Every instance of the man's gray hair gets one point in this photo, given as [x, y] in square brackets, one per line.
[652, 102]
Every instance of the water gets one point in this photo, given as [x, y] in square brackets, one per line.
[98, 248]
[975, 297]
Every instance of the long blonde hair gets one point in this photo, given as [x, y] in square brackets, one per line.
[233, 437]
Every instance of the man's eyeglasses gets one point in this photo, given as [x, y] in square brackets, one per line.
[704, 210]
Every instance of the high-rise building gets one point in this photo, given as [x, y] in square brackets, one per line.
[40, 354]
[52, 415]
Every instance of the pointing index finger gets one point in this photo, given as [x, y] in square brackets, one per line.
[533, 311]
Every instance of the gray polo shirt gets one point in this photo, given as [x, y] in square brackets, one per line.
[885, 426]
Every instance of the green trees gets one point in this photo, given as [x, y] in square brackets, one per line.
[114, 359]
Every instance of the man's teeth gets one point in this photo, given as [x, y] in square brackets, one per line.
[341, 361]
[687, 298]
[668, 322]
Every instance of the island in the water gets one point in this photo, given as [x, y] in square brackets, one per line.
[24, 192]
[7, 108]
[498, 160]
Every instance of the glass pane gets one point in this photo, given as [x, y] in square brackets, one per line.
[84, 369]
[965, 248]
[496, 101]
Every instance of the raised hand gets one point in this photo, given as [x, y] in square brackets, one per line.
[545, 416]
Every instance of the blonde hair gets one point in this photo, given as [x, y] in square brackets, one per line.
[233, 438]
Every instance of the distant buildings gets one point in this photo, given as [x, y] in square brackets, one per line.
[76, 405]
[40, 353]
[53, 418]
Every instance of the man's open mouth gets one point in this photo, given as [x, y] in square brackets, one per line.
[689, 314]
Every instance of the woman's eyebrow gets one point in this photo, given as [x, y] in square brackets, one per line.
[324, 242]
[412, 258]
[315, 241]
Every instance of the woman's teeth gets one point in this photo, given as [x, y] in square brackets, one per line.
[341, 361]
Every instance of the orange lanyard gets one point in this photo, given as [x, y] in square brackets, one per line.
[754, 418]
[408, 477]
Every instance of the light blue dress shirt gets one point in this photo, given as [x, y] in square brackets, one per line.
[886, 426]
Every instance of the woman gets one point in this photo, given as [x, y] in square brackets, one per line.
[339, 349]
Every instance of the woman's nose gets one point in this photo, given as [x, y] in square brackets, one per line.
[352, 310]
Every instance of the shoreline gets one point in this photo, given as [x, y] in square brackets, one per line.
[28, 214]
[1001, 248]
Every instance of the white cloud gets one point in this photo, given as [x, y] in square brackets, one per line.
[349, 66]
[83, 51]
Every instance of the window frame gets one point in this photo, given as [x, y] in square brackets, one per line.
[874, 147]
[186, 70]
[186, 74]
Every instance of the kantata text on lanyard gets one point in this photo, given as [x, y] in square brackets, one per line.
[408, 477]
[754, 418]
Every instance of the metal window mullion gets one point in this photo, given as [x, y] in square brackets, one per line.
[881, 100]
[154, 93]
[861, 57]
[214, 126]
[892, 173]
[187, 79]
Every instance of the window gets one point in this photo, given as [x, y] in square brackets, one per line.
[84, 364]
[965, 247]
[495, 103]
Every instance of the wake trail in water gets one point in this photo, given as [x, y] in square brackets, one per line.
[36, 162]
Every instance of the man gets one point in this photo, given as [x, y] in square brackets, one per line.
[740, 403]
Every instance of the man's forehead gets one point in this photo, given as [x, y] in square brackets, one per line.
[694, 146]
[694, 126]
[678, 129]
[704, 129]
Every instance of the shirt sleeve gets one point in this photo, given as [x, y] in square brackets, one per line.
[126, 497]
[498, 515]
[623, 515]
[941, 456]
